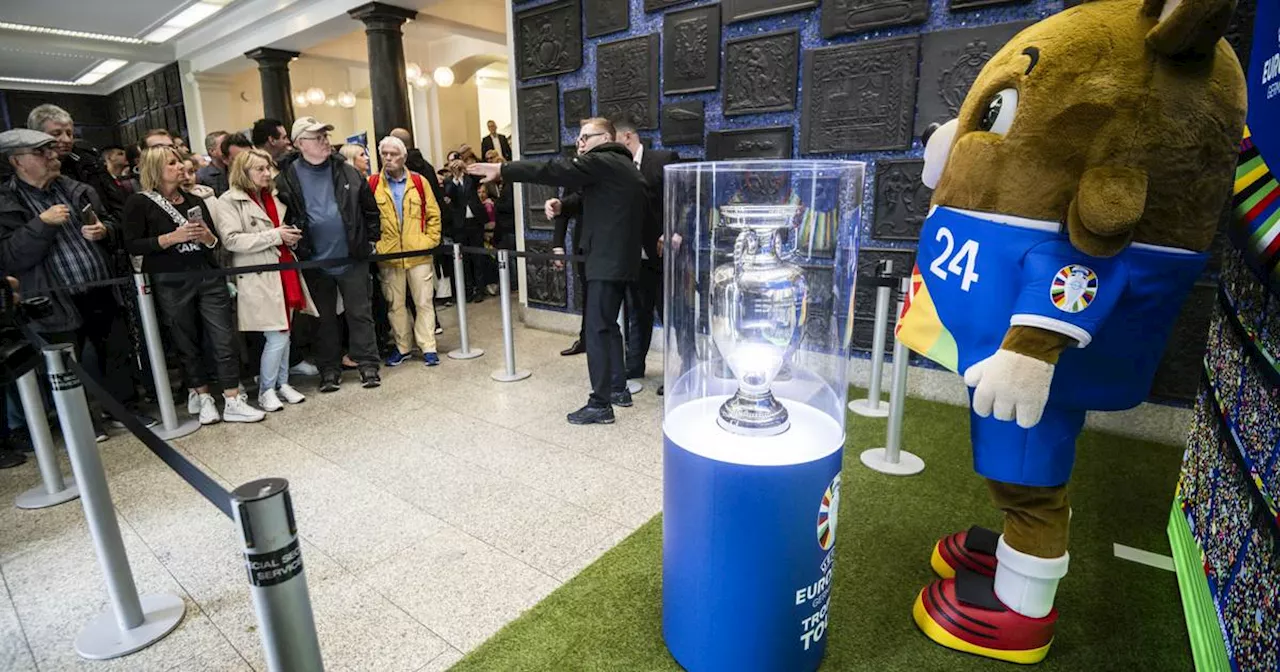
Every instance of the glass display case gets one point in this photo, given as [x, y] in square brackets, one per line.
[759, 259]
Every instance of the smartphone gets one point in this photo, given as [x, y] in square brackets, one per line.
[87, 216]
[195, 215]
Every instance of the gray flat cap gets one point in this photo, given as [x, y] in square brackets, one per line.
[20, 139]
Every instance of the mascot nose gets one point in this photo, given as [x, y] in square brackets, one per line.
[928, 132]
[937, 148]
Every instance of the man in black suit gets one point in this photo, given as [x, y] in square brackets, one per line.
[560, 211]
[614, 199]
[644, 297]
[468, 220]
[503, 143]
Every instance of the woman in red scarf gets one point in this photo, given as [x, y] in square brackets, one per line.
[250, 228]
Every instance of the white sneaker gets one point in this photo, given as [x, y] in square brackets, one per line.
[304, 368]
[291, 395]
[193, 402]
[239, 410]
[270, 402]
[208, 410]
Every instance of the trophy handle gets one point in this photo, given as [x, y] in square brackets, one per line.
[746, 244]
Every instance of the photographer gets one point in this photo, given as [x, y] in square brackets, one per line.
[51, 236]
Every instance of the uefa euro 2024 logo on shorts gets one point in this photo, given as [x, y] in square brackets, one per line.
[828, 511]
[1073, 288]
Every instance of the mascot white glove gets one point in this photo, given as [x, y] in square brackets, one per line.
[1010, 385]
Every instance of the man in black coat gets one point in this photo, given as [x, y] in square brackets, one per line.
[614, 202]
[466, 226]
[503, 144]
[644, 297]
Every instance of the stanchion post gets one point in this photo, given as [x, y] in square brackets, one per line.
[892, 459]
[171, 427]
[54, 488]
[509, 374]
[873, 406]
[460, 300]
[133, 623]
[273, 558]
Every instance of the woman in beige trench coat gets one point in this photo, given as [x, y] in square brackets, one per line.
[250, 223]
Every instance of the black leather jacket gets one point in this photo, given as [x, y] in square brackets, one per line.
[355, 201]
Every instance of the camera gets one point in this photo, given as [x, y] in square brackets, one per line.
[17, 355]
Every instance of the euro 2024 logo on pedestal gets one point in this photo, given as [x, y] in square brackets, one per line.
[828, 514]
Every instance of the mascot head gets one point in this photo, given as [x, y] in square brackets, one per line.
[1119, 118]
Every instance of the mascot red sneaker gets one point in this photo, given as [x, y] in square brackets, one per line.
[1075, 196]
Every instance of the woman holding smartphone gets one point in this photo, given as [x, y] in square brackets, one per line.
[169, 228]
[250, 228]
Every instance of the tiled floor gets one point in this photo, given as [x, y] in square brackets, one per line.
[432, 510]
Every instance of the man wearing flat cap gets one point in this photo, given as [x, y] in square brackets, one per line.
[53, 234]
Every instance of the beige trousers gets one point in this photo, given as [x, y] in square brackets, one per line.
[418, 281]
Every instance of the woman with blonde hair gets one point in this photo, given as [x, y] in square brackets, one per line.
[251, 229]
[169, 228]
[357, 156]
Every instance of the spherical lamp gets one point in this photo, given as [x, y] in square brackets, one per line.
[315, 95]
[300, 100]
[443, 76]
[412, 71]
[347, 99]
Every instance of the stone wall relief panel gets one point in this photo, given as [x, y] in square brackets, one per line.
[549, 39]
[539, 109]
[760, 73]
[859, 97]
[627, 80]
[691, 50]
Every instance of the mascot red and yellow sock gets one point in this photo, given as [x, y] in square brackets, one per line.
[1075, 196]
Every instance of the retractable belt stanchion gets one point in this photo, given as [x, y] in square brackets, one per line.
[892, 459]
[509, 374]
[264, 514]
[460, 300]
[133, 623]
[171, 427]
[873, 406]
[54, 488]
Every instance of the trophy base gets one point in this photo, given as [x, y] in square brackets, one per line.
[762, 416]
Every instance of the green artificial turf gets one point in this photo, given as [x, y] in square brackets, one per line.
[1115, 614]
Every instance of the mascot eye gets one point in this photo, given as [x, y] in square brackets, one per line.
[1000, 111]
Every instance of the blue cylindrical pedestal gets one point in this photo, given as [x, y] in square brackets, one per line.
[749, 527]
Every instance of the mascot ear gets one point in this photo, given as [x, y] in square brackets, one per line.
[1187, 27]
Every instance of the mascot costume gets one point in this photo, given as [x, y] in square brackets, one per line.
[1075, 197]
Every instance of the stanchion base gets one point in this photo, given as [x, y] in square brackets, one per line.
[907, 464]
[183, 429]
[502, 376]
[864, 408]
[102, 638]
[470, 354]
[39, 498]
[634, 386]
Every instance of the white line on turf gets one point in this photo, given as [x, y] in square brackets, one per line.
[1143, 557]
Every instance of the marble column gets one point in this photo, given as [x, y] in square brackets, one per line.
[277, 92]
[387, 83]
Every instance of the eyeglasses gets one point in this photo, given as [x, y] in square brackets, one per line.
[47, 152]
[322, 136]
[587, 136]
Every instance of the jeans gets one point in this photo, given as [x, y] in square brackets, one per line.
[186, 307]
[355, 288]
[604, 341]
[274, 371]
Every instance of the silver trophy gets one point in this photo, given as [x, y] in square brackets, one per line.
[757, 316]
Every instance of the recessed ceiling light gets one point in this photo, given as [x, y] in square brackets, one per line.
[183, 20]
[162, 34]
[70, 33]
[32, 80]
[101, 70]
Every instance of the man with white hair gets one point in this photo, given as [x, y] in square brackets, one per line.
[410, 218]
[78, 163]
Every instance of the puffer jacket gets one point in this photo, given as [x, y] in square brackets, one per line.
[420, 228]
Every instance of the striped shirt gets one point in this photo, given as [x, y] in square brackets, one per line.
[72, 259]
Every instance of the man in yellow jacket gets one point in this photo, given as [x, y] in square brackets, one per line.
[410, 222]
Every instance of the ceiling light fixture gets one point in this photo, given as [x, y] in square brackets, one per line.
[5, 25]
[331, 102]
[300, 99]
[422, 82]
[412, 71]
[444, 76]
[101, 70]
[315, 95]
[347, 99]
[33, 80]
[182, 21]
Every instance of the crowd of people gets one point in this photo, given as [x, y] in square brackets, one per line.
[75, 222]
[1253, 605]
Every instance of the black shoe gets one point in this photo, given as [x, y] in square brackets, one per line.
[330, 382]
[99, 431]
[476, 298]
[660, 389]
[622, 399]
[592, 415]
[576, 349]
[20, 440]
[11, 458]
[369, 378]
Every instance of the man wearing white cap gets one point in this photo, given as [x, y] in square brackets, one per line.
[335, 209]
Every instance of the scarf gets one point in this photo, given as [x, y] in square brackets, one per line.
[294, 299]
